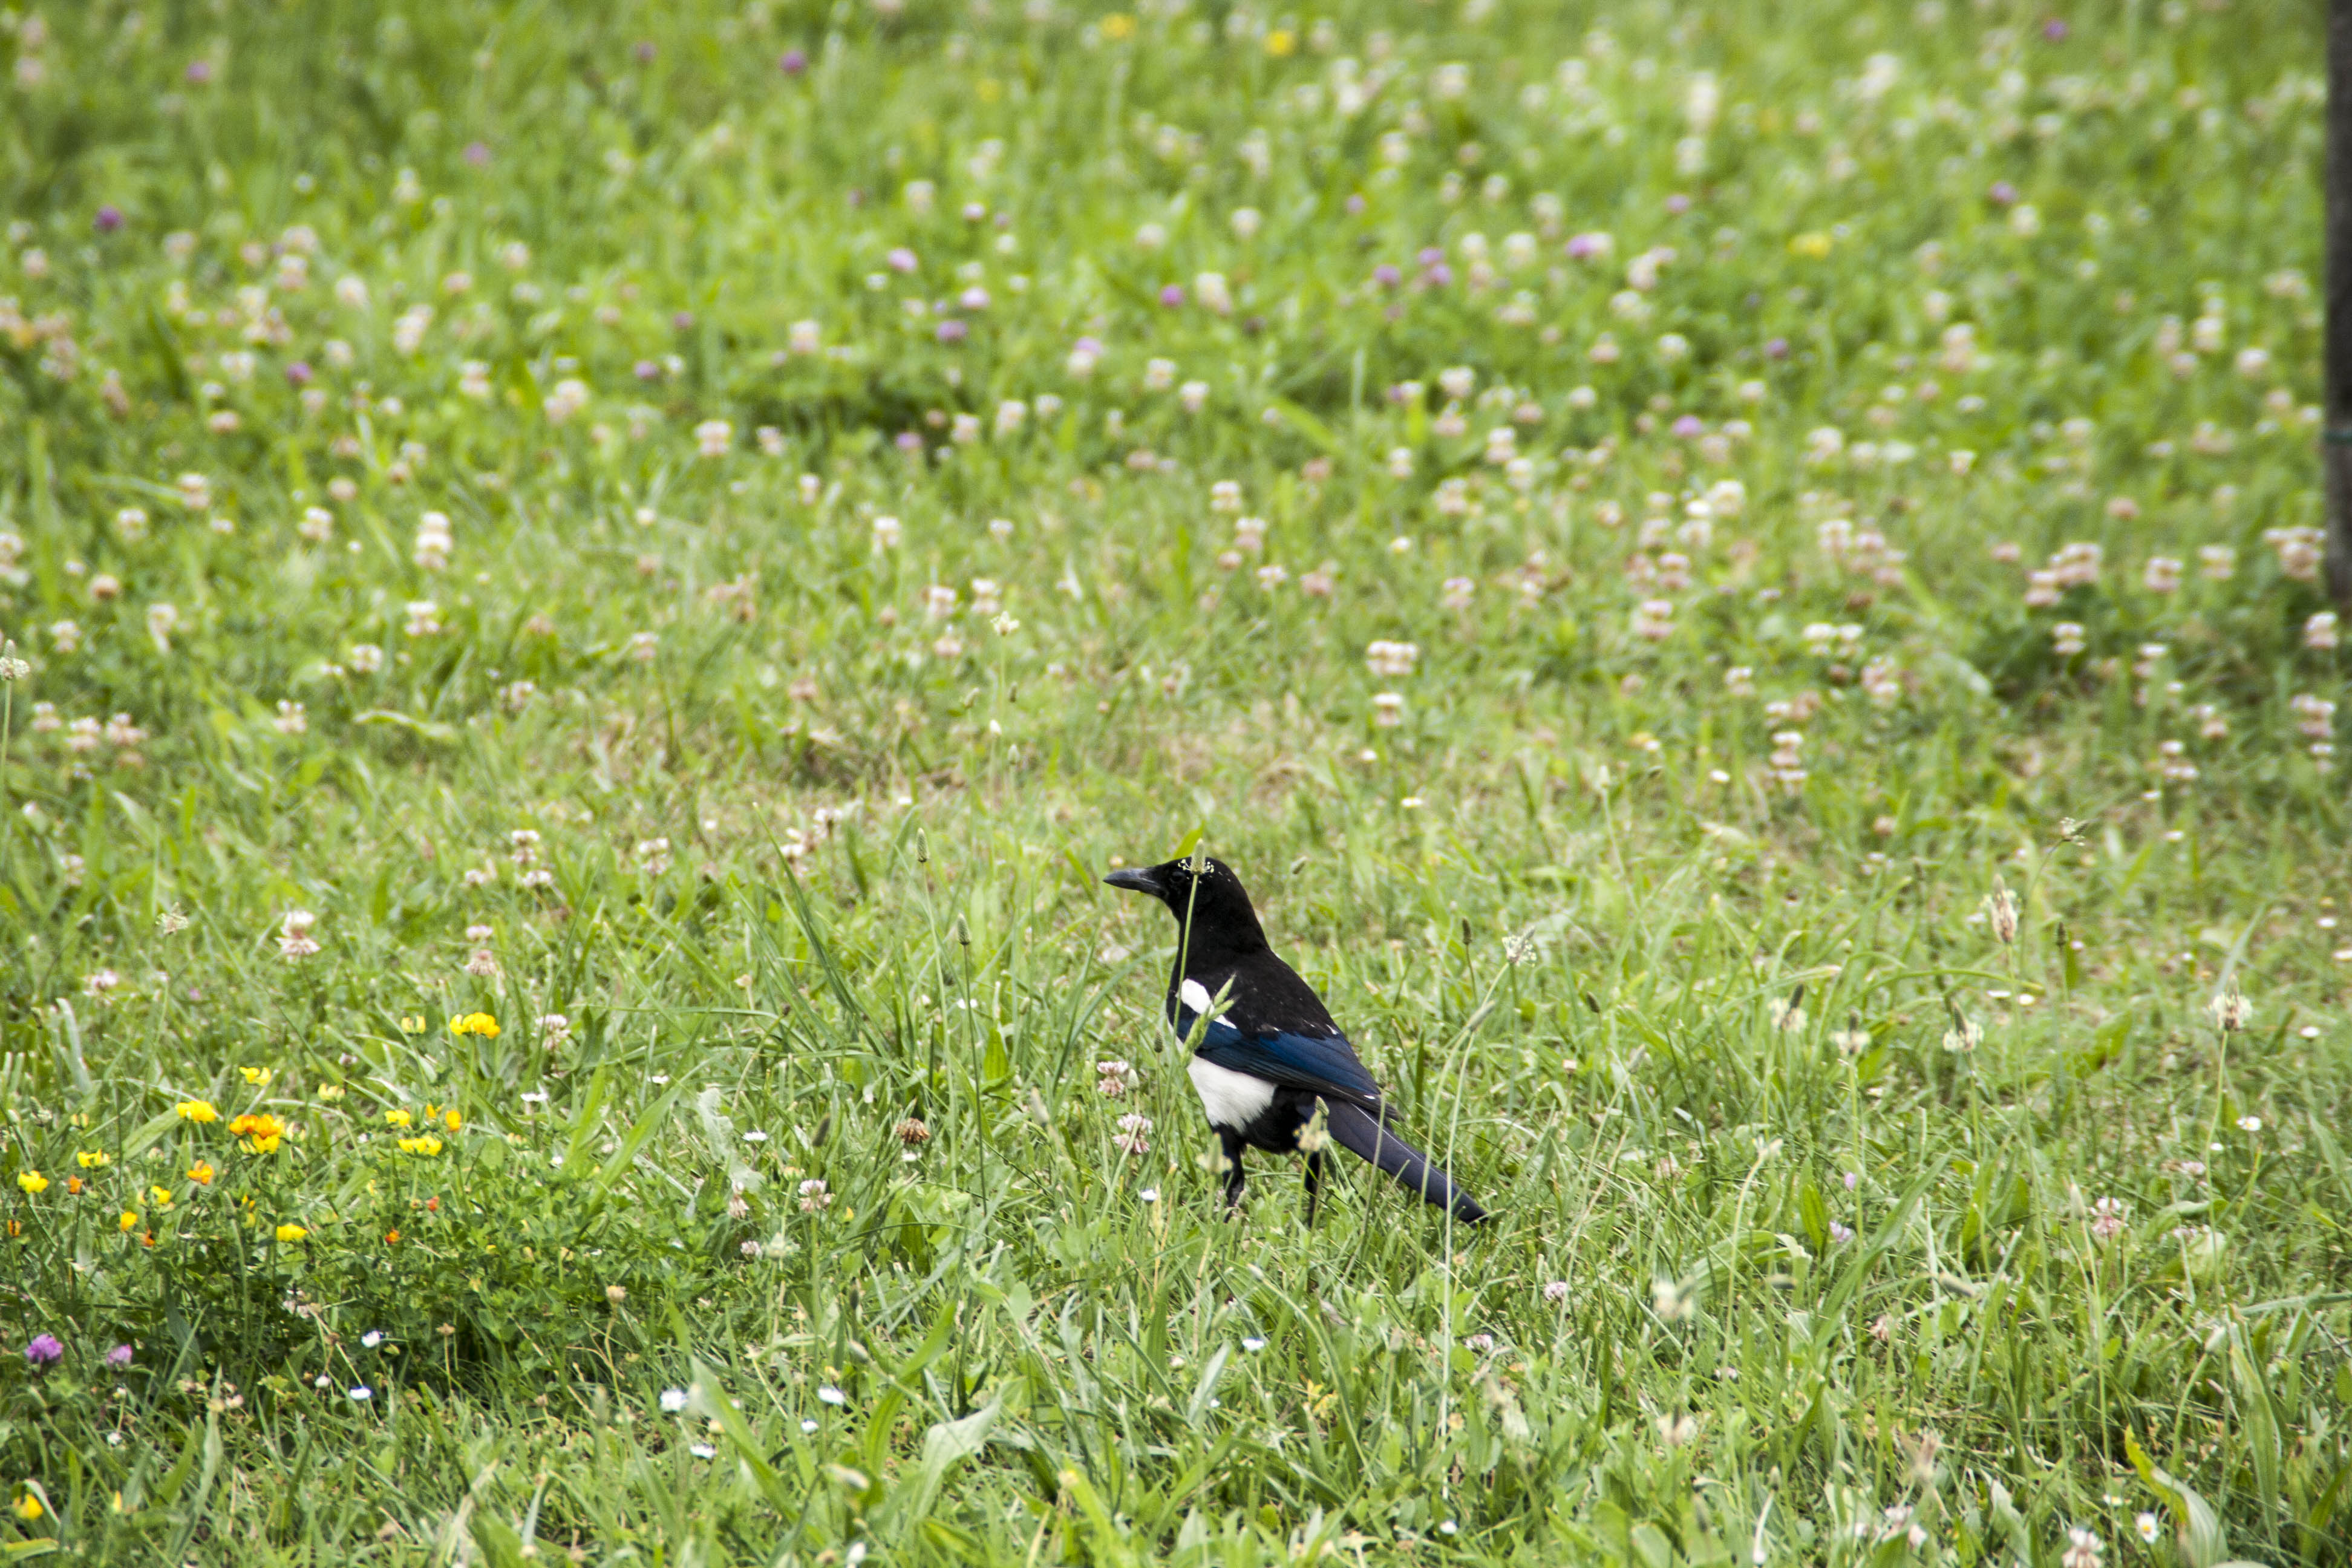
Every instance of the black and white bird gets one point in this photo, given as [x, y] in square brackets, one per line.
[1270, 1051]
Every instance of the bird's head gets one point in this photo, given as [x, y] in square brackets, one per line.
[1203, 892]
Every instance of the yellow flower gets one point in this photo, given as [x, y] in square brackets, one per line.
[260, 1131]
[161, 1196]
[129, 1220]
[256, 1076]
[1815, 246]
[91, 1159]
[330, 1091]
[412, 1024]
[1280, 42]
[291, 1233]
[397, 1118]
[27, 1508]
[426, 1145]
[34, 1182]
[201, 1173]
[1117, 26]
[197, 1111]
[480, 1024]
[452, 1120]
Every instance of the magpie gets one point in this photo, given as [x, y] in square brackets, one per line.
[1266, 1060]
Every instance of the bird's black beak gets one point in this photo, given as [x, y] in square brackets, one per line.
[1136, 879]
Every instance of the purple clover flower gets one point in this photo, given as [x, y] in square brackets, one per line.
[1678, 203]
[1776, 348]
[2001, 194]
[1172, 294]
[952, 331]
[973, 299]
[1688, 427]
[646, 370]
[478, 154]
[118, 1358]
[908, 441]
[45, 1350]
[902, 260]
[200, 71]
[1356, 205]
[299, 373]
[108, 220]
[1386, 276]
[793, 62]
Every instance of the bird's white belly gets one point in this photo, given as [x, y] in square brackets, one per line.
[1233, 1098]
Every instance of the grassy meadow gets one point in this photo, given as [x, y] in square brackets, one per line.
[590, 591]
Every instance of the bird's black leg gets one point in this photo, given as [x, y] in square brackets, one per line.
[1234, 1146]
[1313, 1184]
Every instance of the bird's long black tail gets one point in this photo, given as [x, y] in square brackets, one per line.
[1363, 1134]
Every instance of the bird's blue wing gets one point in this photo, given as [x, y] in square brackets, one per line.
[1321, 1065]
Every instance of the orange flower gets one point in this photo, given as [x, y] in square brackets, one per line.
[201, 1173]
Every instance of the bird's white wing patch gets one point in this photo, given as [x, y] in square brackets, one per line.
[1233, 1098]
[1194, 995]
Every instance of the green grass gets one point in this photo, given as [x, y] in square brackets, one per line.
[1851, 1205]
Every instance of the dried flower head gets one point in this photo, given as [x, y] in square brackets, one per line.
[2000, 908]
